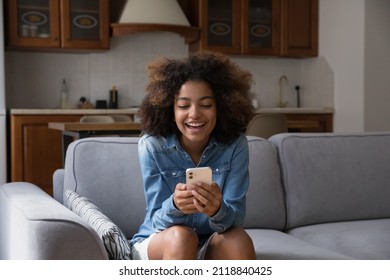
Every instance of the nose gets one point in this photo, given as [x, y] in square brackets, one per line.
[194, 112]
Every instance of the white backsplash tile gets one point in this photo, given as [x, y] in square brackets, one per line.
[33, 79]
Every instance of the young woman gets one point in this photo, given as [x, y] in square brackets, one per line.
[194, 115]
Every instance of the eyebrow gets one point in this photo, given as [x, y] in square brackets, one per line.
[201, 99]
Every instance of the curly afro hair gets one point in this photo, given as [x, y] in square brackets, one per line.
[228, 82]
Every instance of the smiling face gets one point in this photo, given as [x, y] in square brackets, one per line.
[195, 112]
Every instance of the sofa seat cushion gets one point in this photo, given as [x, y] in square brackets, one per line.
[365, 239]
[276, 245]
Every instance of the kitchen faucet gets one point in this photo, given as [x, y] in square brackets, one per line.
[280, 102]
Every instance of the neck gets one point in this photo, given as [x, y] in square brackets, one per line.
[194, 150]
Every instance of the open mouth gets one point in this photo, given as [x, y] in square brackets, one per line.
[195, 126]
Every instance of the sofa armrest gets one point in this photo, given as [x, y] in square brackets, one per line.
[58, 185]
[36, 226]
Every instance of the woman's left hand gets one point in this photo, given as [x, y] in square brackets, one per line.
[207, 198]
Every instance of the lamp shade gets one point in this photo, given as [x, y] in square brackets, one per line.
[153, 12]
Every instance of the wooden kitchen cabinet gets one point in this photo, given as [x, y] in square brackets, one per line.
[299, 24]
[58, 24]
[310, 122]
[36, 150]
[255, 27]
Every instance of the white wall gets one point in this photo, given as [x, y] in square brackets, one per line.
[377, 66]
[33, 78]
[342, 44]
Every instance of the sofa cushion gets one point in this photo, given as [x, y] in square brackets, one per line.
[331, 177]
[113, 238]
[276, 245]
[106, 170]
[363, 240]
[264, 200]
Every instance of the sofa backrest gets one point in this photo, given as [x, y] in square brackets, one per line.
[330, 177]
[265, 200]
[106, 170]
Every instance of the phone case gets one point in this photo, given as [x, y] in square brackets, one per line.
[199, 174]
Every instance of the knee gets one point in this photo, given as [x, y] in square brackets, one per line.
[241, 238]
[243, 243]
[234, 243]
[183, 236]
[182, 243]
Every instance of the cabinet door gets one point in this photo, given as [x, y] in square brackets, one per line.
[36, 150]
[33, 23]
[310, 122]
[220, 23]
[261, 27]
[85, 24]
[299, 28]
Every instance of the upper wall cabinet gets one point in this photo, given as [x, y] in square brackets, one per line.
[54, 24]
[255, 27]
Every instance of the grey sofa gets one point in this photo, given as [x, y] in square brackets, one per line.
[311, 196]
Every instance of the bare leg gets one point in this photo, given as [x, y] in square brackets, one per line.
[174, 243]
[233, 244]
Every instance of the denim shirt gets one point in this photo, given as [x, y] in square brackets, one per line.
[163, 165]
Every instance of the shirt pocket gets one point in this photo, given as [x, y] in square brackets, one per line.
[173, 176]
[220, 172]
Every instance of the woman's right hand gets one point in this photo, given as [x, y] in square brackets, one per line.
[184, 199]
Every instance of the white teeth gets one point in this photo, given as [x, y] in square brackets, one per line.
[195, 124]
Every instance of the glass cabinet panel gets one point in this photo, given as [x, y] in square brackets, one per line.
[260, 27]
[84, 20]
[33, 18]
[220, 23]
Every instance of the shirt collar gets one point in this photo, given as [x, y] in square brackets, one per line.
[172, 141]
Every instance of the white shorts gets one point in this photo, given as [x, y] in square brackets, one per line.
[140, 249]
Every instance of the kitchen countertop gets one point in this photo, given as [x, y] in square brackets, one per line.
[128, 111]
[134, 111]
[296, 110]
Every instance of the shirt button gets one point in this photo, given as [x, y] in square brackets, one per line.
[173, 174]
[194, 229]
[217, 169]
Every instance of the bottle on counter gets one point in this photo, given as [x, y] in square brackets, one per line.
[64, 95]
[113, 103]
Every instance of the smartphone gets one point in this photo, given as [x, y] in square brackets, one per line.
[199, 174]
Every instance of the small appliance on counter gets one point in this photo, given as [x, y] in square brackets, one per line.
[101, 104]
